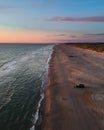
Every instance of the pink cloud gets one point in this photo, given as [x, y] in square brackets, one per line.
[78, 19]
[58, 35]
[81, 38]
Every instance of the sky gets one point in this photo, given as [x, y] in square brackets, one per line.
[51, 21]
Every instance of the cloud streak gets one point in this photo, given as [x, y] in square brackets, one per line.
[58, 35]
[7, 9]
[77, 19]
[96, 34]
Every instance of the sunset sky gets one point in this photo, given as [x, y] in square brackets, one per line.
[51, 21]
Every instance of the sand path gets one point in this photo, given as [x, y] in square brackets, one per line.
[69, 108]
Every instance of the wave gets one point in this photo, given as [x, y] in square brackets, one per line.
[22, 80]
[44, 80]
[11, 66]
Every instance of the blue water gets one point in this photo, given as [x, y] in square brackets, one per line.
[22, 71]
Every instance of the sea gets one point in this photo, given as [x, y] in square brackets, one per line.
[23, 73]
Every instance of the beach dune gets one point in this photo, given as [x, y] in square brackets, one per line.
[69, 108]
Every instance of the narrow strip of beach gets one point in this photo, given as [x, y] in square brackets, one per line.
[66, 107]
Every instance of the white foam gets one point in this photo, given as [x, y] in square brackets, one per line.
[7, 68]
[36, 116]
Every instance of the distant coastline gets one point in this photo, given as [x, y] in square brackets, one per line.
[99, 47]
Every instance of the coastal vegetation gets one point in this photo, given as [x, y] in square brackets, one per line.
[99, 47]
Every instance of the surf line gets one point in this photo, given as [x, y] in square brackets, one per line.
[44, 80]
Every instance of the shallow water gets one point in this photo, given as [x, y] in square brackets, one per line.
[22, 68]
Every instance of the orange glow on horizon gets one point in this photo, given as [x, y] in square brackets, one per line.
[41, 36]
[19, 36]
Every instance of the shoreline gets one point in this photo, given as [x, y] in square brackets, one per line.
[58, 100]
[39, 112]
[46, 100]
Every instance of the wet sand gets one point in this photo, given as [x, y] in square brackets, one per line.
[69, 108]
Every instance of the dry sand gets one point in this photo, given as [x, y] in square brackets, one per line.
[69, 108]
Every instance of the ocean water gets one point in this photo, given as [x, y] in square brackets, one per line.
[22, 75]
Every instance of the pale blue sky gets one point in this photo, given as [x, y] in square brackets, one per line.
[38, 15]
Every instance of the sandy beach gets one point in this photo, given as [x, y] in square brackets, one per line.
[66, 107]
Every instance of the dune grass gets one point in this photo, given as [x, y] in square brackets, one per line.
[99, 47]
